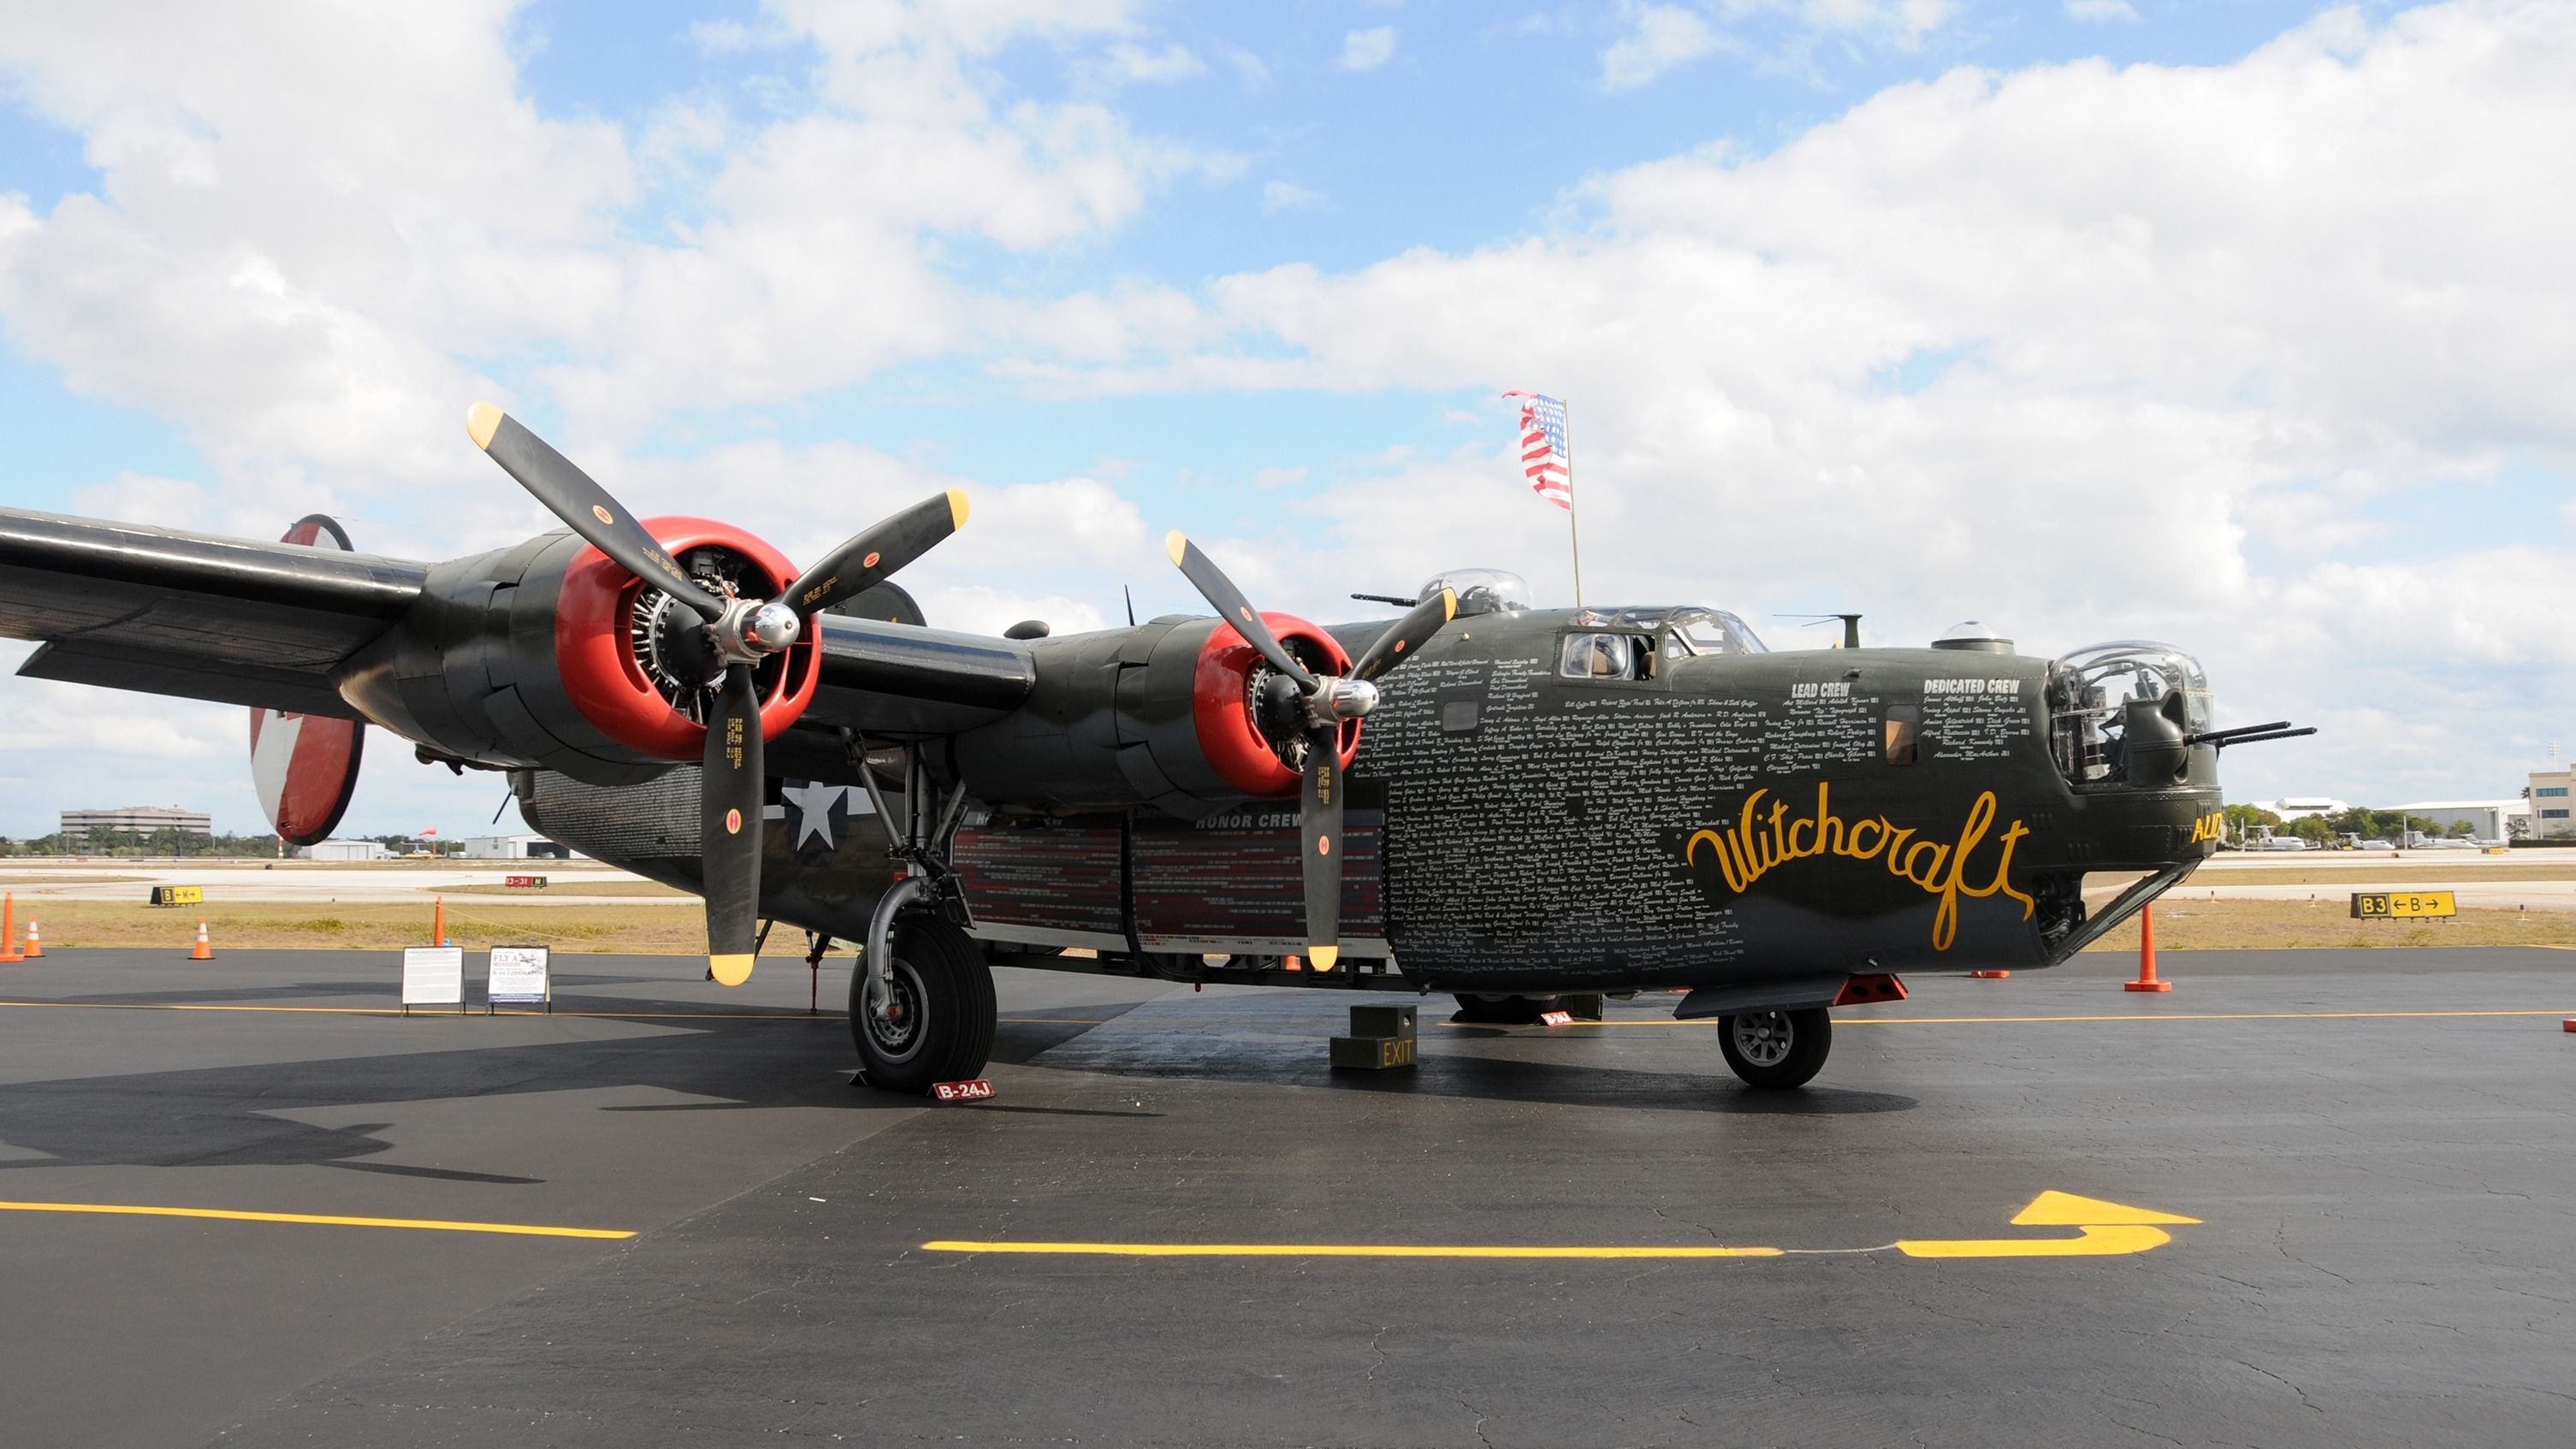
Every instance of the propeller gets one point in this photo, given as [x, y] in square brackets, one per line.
[735, 637]
[1324, 702]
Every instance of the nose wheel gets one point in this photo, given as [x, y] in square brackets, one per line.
[1776, 1049]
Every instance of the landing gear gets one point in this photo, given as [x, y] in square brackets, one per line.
[1774, 1049]
[937, 1025]
[1502, 1010]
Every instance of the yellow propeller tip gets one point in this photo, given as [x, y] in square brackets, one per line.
[1176, 543]
[1323, 957]
[1448, 605]
[956, 508]
[731, 970]
[483, 420]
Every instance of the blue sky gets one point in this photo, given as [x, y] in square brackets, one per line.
[1829, 436]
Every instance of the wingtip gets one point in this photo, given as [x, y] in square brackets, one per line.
[1176, 544]
[1323, 958]
[481, 421]
[731, 970]
[957, 509]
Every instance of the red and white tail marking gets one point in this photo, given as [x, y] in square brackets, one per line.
[305, 766]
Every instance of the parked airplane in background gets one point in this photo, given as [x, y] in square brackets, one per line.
[1478, 797]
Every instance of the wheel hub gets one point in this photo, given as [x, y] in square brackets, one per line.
[1764, 1037]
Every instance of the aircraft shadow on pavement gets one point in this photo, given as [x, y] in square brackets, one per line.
[226, 1116]
[1265, 1060]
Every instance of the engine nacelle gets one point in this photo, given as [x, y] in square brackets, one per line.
[549, 655]
[1180, 714]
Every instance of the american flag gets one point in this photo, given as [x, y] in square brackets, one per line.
[1544, 457]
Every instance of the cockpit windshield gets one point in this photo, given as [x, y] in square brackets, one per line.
[1687, 629]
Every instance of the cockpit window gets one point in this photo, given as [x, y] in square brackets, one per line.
[1714, 631]
[1607, 656]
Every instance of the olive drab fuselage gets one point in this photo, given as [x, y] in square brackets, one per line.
[1526, 820]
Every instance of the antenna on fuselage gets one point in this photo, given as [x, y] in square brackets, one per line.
[1130, 591]
[1851, 626]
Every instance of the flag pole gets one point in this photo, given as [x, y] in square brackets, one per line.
[1573, 528]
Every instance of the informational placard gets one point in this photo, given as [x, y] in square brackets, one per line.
[1557, 1018]
[518, 978]
[974, 1091]
[433, 976]
[2403, 905]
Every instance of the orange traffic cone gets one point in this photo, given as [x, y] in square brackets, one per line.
[2147, 955]
[205, 949]
[438, 924]
[9, 928]
[1293, 964]
[35, 943]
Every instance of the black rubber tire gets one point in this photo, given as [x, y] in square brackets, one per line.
[945, 992]
[1502, 1010]
[1775, 1064]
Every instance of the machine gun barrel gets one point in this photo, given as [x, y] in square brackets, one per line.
[2278, 729]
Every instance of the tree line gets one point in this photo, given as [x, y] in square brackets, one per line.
[2360, 820]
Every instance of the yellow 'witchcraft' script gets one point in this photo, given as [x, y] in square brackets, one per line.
[1760, 841]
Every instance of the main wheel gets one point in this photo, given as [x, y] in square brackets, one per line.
[939, 1026]
[1776, 1048]
[1502, 1010]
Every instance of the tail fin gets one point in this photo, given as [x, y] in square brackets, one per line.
[305, 767]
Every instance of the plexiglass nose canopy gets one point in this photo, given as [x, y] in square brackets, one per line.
[2090, 691]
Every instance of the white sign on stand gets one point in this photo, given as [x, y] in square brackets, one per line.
[518, 978]
[433, 976]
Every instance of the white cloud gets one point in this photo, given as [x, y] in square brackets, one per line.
[2100, 12]
[2182, 369]
[1368, 49]
[1289, 196]
[1658, 38]
[1126, 62]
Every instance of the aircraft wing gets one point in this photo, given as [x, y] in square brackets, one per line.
[889, 679]
[191, 614]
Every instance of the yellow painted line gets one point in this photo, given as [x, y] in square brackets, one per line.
[2102, 1229]
[524, 1230]
[2154, 1016]
[1333, 1250]
[2096, 1242]
[440, 1010]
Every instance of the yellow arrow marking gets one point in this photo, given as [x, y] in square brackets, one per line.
[2065, 1210]
[2103, 1229]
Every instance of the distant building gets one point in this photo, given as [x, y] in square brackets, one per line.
[510, 847]
[140, 819]
[2488, 819]
[2300, 807]
[2550, 803]
[346, 850]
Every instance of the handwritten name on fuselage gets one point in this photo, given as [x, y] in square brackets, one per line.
[1761, 841]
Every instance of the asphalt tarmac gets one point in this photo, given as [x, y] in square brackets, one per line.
[2375, 1149]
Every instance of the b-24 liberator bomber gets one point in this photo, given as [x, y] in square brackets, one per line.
[1480, 797]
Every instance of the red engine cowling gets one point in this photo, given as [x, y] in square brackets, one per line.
[550, 655]
[1225, 705]
[1168, 714]
[605, 658]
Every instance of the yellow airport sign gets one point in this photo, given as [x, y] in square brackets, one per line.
[2403, 905]
[178, 895]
